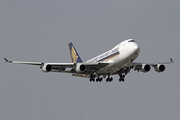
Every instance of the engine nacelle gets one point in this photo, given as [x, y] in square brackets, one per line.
[159, 68]
[145, 68]
[46, 68]
[80, 68]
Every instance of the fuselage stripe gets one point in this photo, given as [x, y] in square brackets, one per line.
[109, 57]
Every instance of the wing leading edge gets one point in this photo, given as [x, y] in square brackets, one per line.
[23, 62]
[77, 66]
[61, 67]
[145, 67]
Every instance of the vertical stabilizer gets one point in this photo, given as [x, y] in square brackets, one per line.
[75, 58]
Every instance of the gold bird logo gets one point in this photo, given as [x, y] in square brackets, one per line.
[74, 56]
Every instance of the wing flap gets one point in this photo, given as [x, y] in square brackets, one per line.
[66, 65]
[96, 65]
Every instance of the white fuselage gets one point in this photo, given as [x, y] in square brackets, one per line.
[121, 55]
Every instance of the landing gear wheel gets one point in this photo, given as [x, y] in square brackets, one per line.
[91, 79]
[109, 79]
[97, 80]
[121, 79]
[100, 79]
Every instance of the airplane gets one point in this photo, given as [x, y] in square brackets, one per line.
[117, 61]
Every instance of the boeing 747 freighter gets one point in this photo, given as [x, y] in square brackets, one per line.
[117, 61]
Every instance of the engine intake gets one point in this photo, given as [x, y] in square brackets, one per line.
[145, 68]
[46, 68]
[80, 68]
[160, 68]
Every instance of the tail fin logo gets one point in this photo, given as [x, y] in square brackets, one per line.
[74, 55]
[75, 58]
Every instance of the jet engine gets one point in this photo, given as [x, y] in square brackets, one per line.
[46, 68]
[159, 68]
[80, 68]
[145, 68]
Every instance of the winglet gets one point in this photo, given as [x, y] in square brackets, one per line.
[171, 60]
[6, 60]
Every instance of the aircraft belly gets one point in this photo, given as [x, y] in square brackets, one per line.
[116, 64]
[111, 68]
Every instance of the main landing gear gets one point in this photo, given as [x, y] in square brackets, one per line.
[121, 79]
[109, 79]
[99, 79]
[92, 79]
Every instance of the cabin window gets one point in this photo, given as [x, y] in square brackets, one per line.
[131, 41]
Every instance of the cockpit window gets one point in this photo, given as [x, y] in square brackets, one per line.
[131, 41]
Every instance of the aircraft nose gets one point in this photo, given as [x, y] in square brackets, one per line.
[133, 48]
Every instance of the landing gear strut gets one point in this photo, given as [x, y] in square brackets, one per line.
[121, 79]
[99, 79]
[92, 78]
[109, 79]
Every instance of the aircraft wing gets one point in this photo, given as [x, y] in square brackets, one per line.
[61, 67]
[22, 62]
[145, 67]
